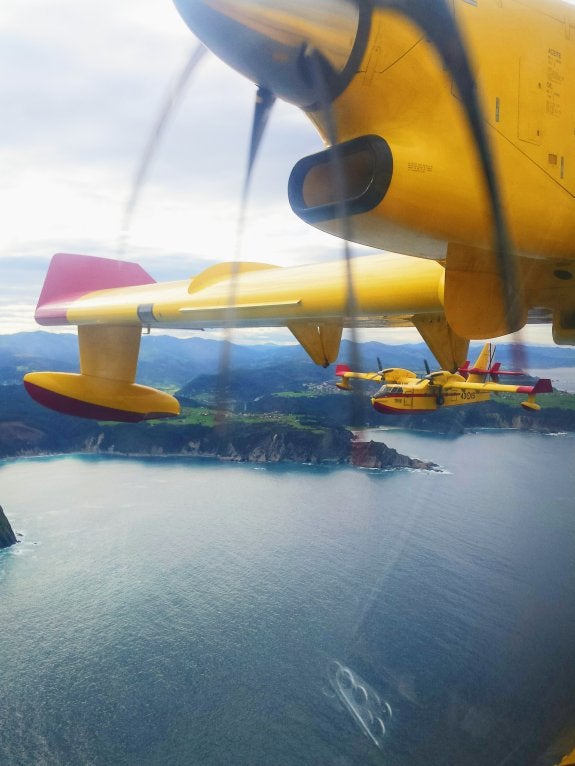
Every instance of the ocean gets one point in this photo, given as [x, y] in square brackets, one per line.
[167, 611]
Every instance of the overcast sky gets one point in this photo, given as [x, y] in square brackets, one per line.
[81, 86]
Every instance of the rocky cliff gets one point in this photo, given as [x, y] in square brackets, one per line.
[253, 443]
[7, 536]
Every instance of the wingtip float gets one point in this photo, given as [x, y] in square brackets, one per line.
[402, 391]
[99, 399]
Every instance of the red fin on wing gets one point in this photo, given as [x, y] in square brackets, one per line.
[71, 276]
[543, 386]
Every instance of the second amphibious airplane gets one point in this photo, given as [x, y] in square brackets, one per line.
[402, 391]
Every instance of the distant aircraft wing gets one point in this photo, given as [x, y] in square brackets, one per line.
[390, 375]
[543, 386]
[346, 374]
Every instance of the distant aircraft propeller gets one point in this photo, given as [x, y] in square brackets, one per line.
[427, 368]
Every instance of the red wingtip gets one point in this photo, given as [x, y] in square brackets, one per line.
[341, 369]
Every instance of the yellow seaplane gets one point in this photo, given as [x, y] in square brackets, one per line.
[448, 128]
[402, 391]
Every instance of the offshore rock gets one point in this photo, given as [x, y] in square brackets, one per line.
[378, 455]
[7, 536]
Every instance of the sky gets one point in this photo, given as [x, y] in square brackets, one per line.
[81, 87]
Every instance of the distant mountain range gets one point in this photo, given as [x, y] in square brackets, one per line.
[167, 361]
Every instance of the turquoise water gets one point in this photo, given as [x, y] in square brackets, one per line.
[176, 612]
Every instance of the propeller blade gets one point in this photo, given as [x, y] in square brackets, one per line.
[265, 100]
[379, 364]
[167, 110]
[427, 370]
[320, 73]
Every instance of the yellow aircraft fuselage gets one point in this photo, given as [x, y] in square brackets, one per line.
[424, 396]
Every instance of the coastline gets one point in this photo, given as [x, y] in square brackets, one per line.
[371, 455]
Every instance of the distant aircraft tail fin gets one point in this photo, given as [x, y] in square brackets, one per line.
[71, 276]
[464, 369]
[480, 370]
[495, 372]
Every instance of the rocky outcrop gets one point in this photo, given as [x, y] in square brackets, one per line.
[378, 455]
[254, 443]
[7, 536]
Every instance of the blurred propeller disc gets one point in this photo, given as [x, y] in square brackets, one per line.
[262, 110]
[320, 74]
[172, 100]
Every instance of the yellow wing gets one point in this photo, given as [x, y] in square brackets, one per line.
[543, 386]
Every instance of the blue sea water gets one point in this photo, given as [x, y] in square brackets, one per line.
[178, 612]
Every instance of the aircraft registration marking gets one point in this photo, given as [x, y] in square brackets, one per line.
[419, 167]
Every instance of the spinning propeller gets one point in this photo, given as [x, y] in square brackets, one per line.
[172, 100]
